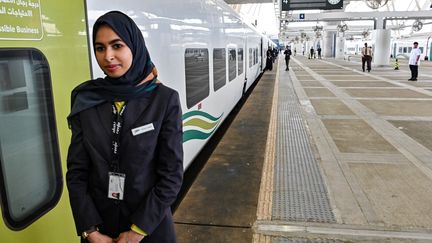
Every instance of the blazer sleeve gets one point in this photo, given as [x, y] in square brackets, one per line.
[169, 169]
[78, 165]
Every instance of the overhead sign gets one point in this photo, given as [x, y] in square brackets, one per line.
[288, 5]
[20, 19]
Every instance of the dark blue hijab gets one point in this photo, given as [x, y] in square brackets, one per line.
[97, 91]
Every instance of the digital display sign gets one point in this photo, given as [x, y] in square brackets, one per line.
[288, 5]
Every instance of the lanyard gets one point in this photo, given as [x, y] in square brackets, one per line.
[118, 124]
[116, 129]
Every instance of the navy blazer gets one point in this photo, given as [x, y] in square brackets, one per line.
[152, 162]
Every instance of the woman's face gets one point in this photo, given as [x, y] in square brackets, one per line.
[112, 54]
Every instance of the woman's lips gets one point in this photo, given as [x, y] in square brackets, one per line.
[112, 67]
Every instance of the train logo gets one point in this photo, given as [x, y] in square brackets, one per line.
[200, 125]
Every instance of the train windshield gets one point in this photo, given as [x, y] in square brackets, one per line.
[30, 171]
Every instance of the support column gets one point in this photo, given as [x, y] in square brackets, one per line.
[328, 44]
[307, 47]
[319, 43]
[297, 49]
[381, 49]
[340, 47]
[310, 44]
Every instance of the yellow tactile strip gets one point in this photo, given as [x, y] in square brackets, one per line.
[266, 189]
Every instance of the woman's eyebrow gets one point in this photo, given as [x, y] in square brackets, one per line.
[109, 43]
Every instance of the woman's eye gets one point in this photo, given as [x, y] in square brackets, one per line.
[117, 46]
[99, 48]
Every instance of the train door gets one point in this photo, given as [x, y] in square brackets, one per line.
[262, 54]
[430, 50]
[246, 63]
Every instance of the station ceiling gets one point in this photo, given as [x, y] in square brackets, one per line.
[359, 16]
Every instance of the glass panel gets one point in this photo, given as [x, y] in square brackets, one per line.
[219, 68]
[250, 57]
[30, 164]
[232, 60]
[197, 75]
[240, 61]
[254, 57]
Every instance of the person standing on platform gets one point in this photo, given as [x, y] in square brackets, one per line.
[414, 61]
[312, 54]
[275, 54]
[125, 160]
[287, 53]
[366, 57]
[319, 52]
[269, 60]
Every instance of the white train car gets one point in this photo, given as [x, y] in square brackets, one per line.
[353, 47]
[202, 49]
[399, 48]
[402, 48]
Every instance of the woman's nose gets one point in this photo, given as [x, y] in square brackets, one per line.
[109, 55]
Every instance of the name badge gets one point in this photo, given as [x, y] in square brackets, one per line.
[116, 185]
[142, 129]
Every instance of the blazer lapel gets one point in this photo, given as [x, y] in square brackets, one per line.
[135, 109]
[105, 116]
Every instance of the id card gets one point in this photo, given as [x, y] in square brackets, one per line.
[116, 185]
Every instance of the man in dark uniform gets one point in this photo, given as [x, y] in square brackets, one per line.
[287, 53]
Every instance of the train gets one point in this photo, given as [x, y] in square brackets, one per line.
[402, 48]
[202, 49]
[399, 48]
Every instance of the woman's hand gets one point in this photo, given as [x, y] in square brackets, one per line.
[129, 237]
[97, 237]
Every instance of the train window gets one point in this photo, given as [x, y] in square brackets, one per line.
[30, 167]
[219, 68]
[400, 50]
[256, 55]
[405, 50]
[250, 57]
[253, 57]
[240, 61]
[197, 75]
[232, 61]
[421, 49]
[409, 49]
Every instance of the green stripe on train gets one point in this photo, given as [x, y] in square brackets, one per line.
[200, 113]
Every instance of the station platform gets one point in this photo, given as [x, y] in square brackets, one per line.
[321, 153]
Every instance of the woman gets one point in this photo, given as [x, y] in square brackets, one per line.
[269, 60]
[125, 160]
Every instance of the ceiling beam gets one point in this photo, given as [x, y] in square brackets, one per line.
[344, 16]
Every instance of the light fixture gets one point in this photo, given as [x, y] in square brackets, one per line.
[342, 28]
[417, 25]
[375, 4]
